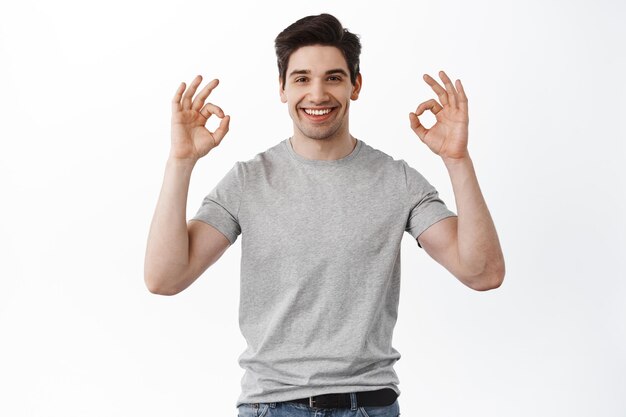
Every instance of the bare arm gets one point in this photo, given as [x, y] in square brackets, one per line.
[176, 254]
[467, 246]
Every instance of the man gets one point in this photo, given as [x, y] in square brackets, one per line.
[322, 215]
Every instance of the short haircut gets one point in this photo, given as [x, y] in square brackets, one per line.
[323, 29]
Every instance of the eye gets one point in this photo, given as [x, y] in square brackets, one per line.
[334, 78]
[300, 79]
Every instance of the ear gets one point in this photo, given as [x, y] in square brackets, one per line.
[281, 91]
[357, 87]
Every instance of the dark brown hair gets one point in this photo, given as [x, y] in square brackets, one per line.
[323, 29]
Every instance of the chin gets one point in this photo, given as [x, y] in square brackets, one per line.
[319, 135]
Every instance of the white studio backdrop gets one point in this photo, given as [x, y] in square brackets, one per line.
[85, 111]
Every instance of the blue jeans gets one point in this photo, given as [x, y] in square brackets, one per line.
[291, 409]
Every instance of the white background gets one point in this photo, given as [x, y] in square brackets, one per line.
[85, 90]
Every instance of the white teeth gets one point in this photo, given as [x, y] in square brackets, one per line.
[317, 112]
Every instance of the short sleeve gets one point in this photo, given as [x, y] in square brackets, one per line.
[220, 208]
[426, 208]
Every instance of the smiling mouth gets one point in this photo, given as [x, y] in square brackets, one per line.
[318, 114]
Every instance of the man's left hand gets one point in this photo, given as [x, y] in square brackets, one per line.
[448, 136]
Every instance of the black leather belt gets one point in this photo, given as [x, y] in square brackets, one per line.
[381, 397]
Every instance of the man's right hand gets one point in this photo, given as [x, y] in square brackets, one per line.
[191, 140]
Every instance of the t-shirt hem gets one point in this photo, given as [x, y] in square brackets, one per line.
[230, 236]
[428, 219]
[306, 392]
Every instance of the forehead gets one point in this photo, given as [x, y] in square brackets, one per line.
[316, 58]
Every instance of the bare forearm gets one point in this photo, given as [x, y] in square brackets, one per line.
[167, 251]
[478, 246]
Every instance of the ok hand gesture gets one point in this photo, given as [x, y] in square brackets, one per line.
[448, 136]
[191, 140]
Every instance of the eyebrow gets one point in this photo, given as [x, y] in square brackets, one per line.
[332, 71]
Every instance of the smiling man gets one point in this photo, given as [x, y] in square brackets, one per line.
[322, 215]
[318, 90]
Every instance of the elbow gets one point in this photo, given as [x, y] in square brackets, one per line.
[157, 285]
[157, 289]
[491, 279]
[487, 284]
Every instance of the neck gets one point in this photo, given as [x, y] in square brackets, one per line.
[327, 149]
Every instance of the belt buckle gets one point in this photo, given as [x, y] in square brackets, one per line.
[311, 401]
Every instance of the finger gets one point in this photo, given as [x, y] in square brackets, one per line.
[462, 96]
[452, 96]
[439, 90]
[191, 91]
[221, 131]
[210, 109]
[417, 126]
[177, 97]
[198, 102]
[431, 105]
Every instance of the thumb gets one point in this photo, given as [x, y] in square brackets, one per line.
[221, 131]
[417, 126]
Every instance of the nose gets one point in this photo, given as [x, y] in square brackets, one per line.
[318, 93]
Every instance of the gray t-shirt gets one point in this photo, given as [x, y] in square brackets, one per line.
[320, 266]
